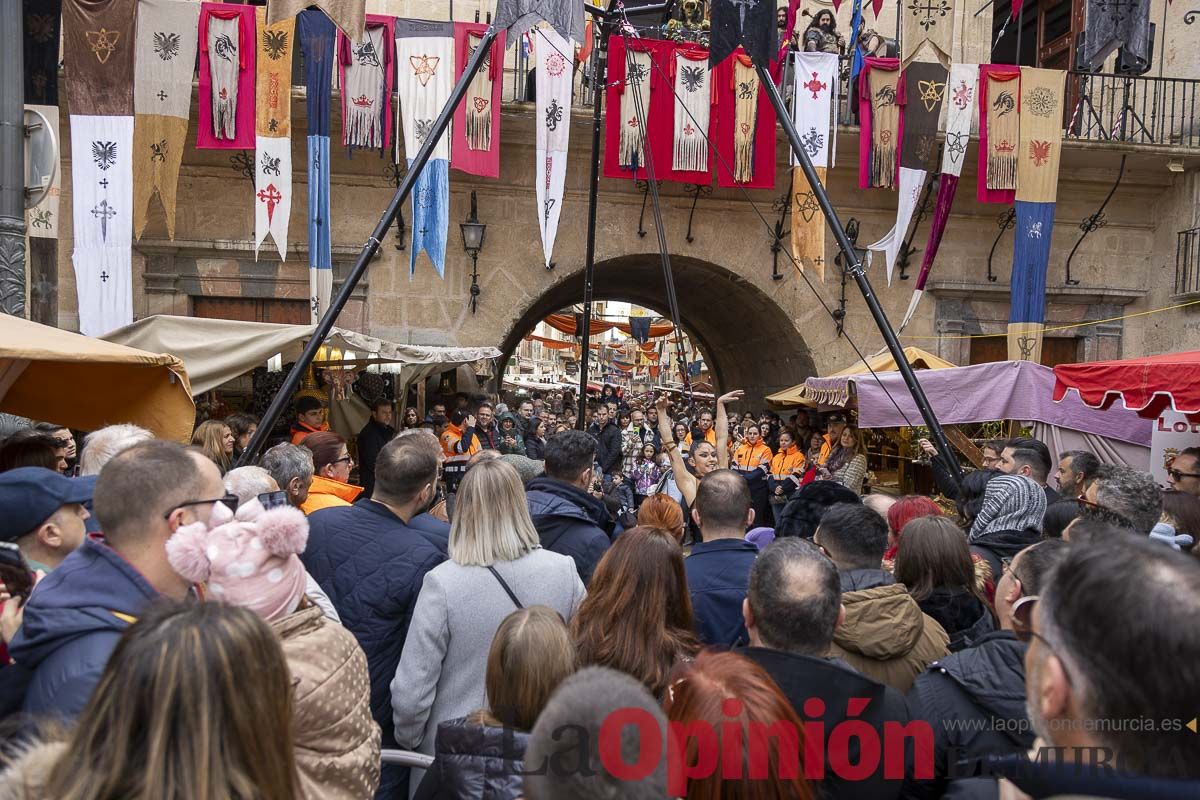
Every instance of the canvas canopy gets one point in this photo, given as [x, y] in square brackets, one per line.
[218, 350]
[835, 393]
[84, 383]
[1149, 385]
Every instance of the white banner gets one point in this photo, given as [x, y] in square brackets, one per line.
[960, 110]
[273, 191]
[814, 109]
[553, 55]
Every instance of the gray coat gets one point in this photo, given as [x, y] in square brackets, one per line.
[444, 662]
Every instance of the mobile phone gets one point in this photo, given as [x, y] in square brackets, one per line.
[15, 572]
[273, 499]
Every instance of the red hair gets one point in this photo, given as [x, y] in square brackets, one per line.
[905, 510]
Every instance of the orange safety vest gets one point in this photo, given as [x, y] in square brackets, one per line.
[787, 463]
[452, 438]
[710, 436]
[748, 458]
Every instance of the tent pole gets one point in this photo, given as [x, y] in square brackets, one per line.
[284, 395]
[853, 265]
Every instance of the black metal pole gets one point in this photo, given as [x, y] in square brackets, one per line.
[599, 77]
[854, 267]
[12, 161]
[283, 396]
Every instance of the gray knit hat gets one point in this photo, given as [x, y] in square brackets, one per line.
[526, 467]
[1010, 503]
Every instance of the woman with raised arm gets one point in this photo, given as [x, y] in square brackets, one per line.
[704, 456]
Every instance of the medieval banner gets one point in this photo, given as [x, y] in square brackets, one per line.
[808, 224]
[1042, 99]
[366, 70]
[227, 66]
[425, 76]
[1113, 24]
[162, 101]
[475, 133]
[999, 130]
[881, 94]
[318, 42]
[814, 107]
[693, 97]
[43, 20]
[929, 25]
[349, 16]
[553, 56]
[518, 16]
[745, 126]
[99, 33]
[273, 132]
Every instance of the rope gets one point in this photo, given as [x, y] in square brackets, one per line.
[1072, 326]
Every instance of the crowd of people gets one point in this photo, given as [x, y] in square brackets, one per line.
[660, 602]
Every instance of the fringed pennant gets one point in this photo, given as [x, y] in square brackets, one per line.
[960, 110]
[693, 105]
[553, 56]
[999, 132]
[475, 134]
[635, 109]
[814, 106]
[349, 16]
[162, 99]
[745, 88]
[366, 70]
[880, 94]
[808, 224]
[425, 75]
[273, 129]
[227, 71]
[318, 43]
[926, 23]
[1042, 101]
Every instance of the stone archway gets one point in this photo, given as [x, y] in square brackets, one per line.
[749, 341]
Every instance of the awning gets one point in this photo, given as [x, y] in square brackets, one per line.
[1148, 385]
[84, 383]
[833, 389]
[218, 350]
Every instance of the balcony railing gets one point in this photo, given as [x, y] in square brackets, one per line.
[1142, 109]
[1187, 262]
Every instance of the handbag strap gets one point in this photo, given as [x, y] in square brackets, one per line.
[504, 585]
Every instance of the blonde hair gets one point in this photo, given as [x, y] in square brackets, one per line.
[531, 654]
[491, 521]
[210, 438]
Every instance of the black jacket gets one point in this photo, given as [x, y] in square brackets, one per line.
[535, 448]
[474, 761]
[371, 440]
[963, 616]
[975, 701]
[608, 446]
[1002, 544]
[570, 521]
[837, 684]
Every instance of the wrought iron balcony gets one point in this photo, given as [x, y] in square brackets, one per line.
[1142, 110]
[1187, 262]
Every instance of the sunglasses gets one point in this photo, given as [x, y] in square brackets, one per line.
[1176, 475]
[230, 501]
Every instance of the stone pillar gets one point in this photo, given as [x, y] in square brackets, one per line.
[12, 160]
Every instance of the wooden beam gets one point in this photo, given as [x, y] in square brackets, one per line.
[964, 445]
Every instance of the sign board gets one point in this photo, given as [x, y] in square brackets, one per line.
[41, 171]
[1172, 433]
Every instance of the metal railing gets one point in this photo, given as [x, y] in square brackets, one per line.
[1141, 109]
[1187, 262]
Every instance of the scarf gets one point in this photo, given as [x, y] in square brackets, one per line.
[745, 85]
[928, 22]
[317, 41]
[999, 131]
[43, 19]
[348, 15]
[227, 72]
[635, 108]
[475, 148]
[880, 96]
[425, 74]
[98, 34]
[273, 131]
[366, 80]
[1010, 503]
[553, 56]
[693, 104]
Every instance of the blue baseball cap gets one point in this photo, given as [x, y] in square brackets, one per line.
[30, 495]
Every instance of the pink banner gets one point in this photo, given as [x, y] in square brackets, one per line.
[485, 163]
[243, 139]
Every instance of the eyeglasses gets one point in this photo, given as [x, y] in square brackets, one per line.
[1006, 567]
[346, 459]
[230, 501]
[1176, 475]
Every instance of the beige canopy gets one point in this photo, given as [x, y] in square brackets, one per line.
[84, 383]
[218, 350]
[802, 395]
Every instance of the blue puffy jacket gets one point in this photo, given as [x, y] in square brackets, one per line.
[718, 575]
[570, 521]
[72, 623]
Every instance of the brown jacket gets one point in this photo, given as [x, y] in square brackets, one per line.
[886, 637]
[336, 740]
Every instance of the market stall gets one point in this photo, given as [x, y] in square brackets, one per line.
[85, 383]
[799, 395]
[1148, 385]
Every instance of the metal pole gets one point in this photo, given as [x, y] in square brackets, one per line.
[1020, 24]
[599, 76]
[855, 268]
[283, 396]
[12, 160]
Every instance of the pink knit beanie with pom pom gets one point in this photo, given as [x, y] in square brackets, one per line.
[250, 560]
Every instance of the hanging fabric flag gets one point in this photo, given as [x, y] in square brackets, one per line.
[1113, 24]
[693, 97]
[960, 110]
[813, 107]
[41, 42]
[639, 329]
[745, 128]
[349, 16]
[273, 132]
[1042, 101]
[924, 91]
[366, 81]
[425, 64]
[226, 96]
[748, 23]
[41, 221]
[999, 131]
[881, 93]
[100, 96]
[475, 134]
[926, 22]
[317, 42]
[553, 120]
[162, 102]
[519, 16]
[856, 59]
[634, 88]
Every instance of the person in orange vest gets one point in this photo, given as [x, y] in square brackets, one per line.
[460, 429]
[704, 422]
[787, 468]
[835, 424]
[310, 418]
[332, 466]
[752, 460]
